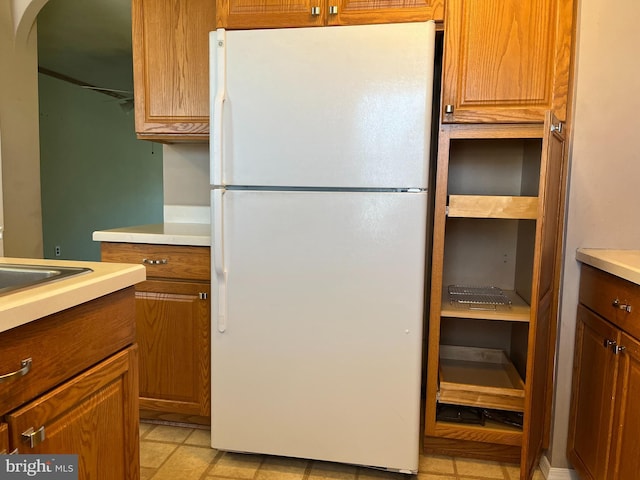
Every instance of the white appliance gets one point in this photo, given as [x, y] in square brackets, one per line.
[319, 168]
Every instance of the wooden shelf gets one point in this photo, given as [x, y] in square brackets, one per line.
[479, 377]
[493, 206]
[518, 311]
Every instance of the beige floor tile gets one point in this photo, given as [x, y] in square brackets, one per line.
[144, 428]
[186, 463]
[167, 433]
[199, 437]
[537, 475]
[436, 464]
[373, 474]
[513, 472]
[436, 476]
[281, 468]
[479, 468]
[237, 466]
[332, 471]
[153, 454]
[146, 473]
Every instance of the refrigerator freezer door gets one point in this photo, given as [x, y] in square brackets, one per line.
[321, 355]
[323, 107]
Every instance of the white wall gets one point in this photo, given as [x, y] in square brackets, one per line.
[604, 189]
[19, 149]
[186, 174]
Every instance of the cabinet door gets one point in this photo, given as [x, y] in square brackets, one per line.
[4, 439]
[93, 415]
[351, 12]
[173, 333]
[625, 461]
[171, 68]
[506, 61]
[594, 377]
[239, 14]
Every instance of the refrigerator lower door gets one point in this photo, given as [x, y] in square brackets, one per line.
[320, 354]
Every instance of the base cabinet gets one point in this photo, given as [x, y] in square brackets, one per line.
[88, 407]
[604, 420]
[173, 320]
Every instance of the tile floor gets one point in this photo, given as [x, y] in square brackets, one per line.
[178, 453]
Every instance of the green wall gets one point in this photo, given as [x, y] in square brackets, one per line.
[95, 174]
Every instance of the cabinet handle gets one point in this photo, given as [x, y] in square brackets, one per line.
[33, 437]
[333, 10]
[622, 306]
[448, 109]
[202, 295]
[25, 366]
[617, 349]
[556, 128]
[315, 11]
[608, 343]
[149, 261]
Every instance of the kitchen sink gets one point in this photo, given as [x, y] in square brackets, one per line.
[14, 276]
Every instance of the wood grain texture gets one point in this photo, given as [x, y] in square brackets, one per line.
[182, 262]
[492, 206]
[468, 448]
[171, 68]
[246, 14]
[4, 438]
[506, 62]
[88, 415]
[63, 344]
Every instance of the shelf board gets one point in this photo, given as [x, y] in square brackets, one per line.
[518, 311]
[479, 377]
[490, 432]
[493, 206]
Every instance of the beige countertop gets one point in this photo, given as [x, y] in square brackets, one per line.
[621, 263]
[28, 304]
[193, 234]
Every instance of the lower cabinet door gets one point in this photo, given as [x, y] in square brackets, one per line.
[94, 415]
[173, 333]
[592, 397]
[625, 456]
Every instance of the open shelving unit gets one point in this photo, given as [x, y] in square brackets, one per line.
[494, 226]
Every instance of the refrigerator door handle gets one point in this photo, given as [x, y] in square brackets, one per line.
[218, 258]
[218, 59]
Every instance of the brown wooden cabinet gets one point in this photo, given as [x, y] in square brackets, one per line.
[506, 61]
[604, 422]
[240, 14]
[173, 317]
[80, 394]
[171, 68]
[496, 224]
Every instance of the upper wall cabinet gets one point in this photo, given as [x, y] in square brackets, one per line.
[240, 14]
[171, 68]
[506, 61]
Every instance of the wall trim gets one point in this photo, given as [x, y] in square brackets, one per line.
[555, 473]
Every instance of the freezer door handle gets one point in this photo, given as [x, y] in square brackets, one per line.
[217, 223]
[218, 60]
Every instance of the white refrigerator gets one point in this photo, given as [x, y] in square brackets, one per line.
[320, 141]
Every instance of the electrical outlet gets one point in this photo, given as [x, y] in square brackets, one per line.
[57, 250]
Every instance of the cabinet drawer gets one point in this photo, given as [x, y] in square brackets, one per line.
[600, 290]
[162, 261]
[64, 344]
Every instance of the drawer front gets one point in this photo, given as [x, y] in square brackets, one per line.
[62, 345]
[613, 298]
[162, 261]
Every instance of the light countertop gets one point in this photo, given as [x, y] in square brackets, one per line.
[621, 263]
[23, 306]
[193, 234]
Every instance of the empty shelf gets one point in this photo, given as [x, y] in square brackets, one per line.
[492, 206]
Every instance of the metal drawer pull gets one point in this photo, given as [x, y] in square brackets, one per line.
[617, 349]
[149, 261]
[315, 11]
[33, 437]
[25, 366]
[333, 10]
[607, 343]
[622, 306]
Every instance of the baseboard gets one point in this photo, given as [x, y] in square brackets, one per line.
[554, 473]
